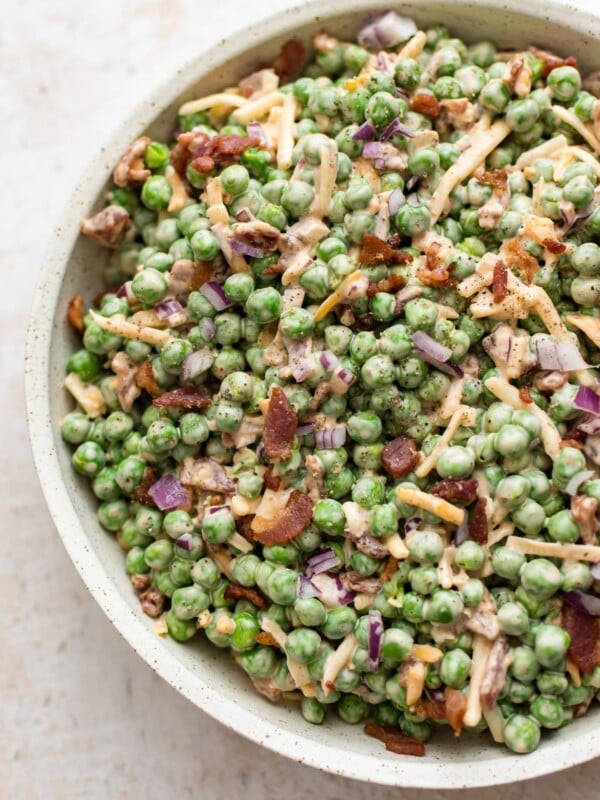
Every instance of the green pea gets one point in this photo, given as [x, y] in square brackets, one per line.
[551, 645]
[455, 462]
[75, 428]
[472, 592]
[413, 220]
[512, 491]
[562, 527]
[339, 622]
[541, 578]
[444, 607]
[530, 517]
[455, 668]
[88, 459]
[524, 666]
[264, 305]
[564, 83]
[513, 619]
[469, 556]
[218, 526]
[156, 192]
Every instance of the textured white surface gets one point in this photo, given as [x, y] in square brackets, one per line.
[81, 716]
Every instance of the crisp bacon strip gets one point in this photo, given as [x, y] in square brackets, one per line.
[554, 246]
[76, 313]
[584, 631]
[290, 59]
[394, 740]
[144, 378]
[478, 524]
[203, 152]
[390, 284]
[291, 521]
[435, 273]
[426, 104]
[456, 491]
[456, 707]
[391, 565]
[431, 708]
[281, 423]
[500, 282]
[202, 273]
[266, 638]
[498, 178]
[184, 397]
[400, 456]
[551, 60]
[374, 250]
[516, 257]
[525, 394]
[271, 481]
[141, 492]
[243, 526]
[234, 592]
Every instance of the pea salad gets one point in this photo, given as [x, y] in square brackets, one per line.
[339, 400]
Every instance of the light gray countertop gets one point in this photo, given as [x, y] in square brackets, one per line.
[81, 716]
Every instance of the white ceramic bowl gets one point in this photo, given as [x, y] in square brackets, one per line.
[199, 671]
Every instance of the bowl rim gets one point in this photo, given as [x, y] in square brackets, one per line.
[405, 772]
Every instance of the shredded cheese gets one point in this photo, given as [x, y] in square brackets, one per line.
[396, 547]
[226, 99]
[325, 179]
[415, 682]
[544, 150]
[574, 552]
[481, 651]
[179, 197]
[285, 141]
[224, 561]
[414, 47]
[87, 395]
[160, 626]
[216, 211]
[582, 129]
[337, 660]
[460, 416]
[437, 506]
[445, 571]
[339, 294]
[503, 530]
[237, 540]
[495, 723]
[445, 312]
[298, 671]
[589, 325]
[482, 144]
[451, 402]
[427, 653]
[574, 672]
[254, 109]
[129, 330]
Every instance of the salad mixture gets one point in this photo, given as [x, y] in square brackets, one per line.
[341, 405]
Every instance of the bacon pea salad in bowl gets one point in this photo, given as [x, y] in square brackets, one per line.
[338, 401]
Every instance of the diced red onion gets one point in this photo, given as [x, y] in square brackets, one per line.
[166, 308]
[322, 562]
[328, 360]
[300, 363]
[244, 215]
[195, 364]
[462, 531]
[395, 201]
[396, 128]
[260, 454]
[590, 425]
[330, 438]
[563, 356]
[168, 493]
[185, 541]
[373, 150]
[246, 249]
[588, 603]
[305, 429]
[375, 628]
[215, 295]
[447, 368]
[332, 591]
[413, 200]
[341, 380]
[382, 62]
[405, 295]
[412, 524]
[386, 31]
[401, 93]
[217, 509]
[430, 347]
[306, 587]
[122, 291]
[573, 485]
[256, 131]
[365, 133]
[586, 399]
[572, 222]
[208, 328]
[595, 571]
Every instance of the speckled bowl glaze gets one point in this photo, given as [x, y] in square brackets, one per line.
[199, 671]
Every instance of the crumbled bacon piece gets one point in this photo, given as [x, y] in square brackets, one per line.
[456, 491]
[266, 638]
[107, 227]
[271, 480]
[243, 526]
[140, 582]
[500, 281]
[234, 592]
[152, 602]
[131, 168]
[141, 492]
[76, 313]
[257, 234]
[495, 672]
[478, 524]
[551, 60]
[525, 394]
[516, 257]
[290, 521]
[400, 456]
[570, 443]
[390, 284]
[391, 565]
[290, 60]
[204, 153]
[434, 272]
[554, 246]
[456, 707]
[498, 178]
[184, 397]
[374, 250]
[394, 740]
[426, 104]
[281, 423]
[144, 378]
[431, 707]
[584, 631]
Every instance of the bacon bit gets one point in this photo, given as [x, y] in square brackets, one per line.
[435, 272]
[426, 104]
[498, 178]
[500, 281]
[431, 708]
[243, 526]
[290, 60]
[394, 740]
[461, 491]
[518, 258]
[584, 632]
[203, 271]
[140, 582]
[258, 234]
[204, 153]
[141, 492]
[577, 435]
[152, 602]
[144, 378]
[525, 394]
[554, 246]
[478, 524]
[570, 443]
[107, 227]
[271, 481]
[391, 565]
[291, 520]
[456, 707]
[374, 250]
[266, 638]
[234, 592]
[400, 456]
[131, 168]
[76, 313]
[184, 397]
[552, 61]
[390, 284]
[281, 423]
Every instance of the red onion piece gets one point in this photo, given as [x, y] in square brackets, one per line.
[244, 215]
[373, 150]
[375, 627]
[122, 291]
[588, 603]
[195, 364]
[395, 201]
[322, 562]
[341, 380]
[300, 362]
[215, 295]
[396, 128]
[412, 524]
[446, 367]
[305, 429]
[246, 249]
[405, 295]
[430, 347]
[185, 541]
[365, 133]
[306, 587]
[589, 425]
[573, 485]
[217, 509]
[332, 591]
[595, 571]
[328, 360]
[386, 31]
[330, 438]
[564, 356]
[256, 131]
[166, 308]
[586, 399]
[168, 493]
[208, 328]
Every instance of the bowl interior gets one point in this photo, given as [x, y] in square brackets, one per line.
[204, 674]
